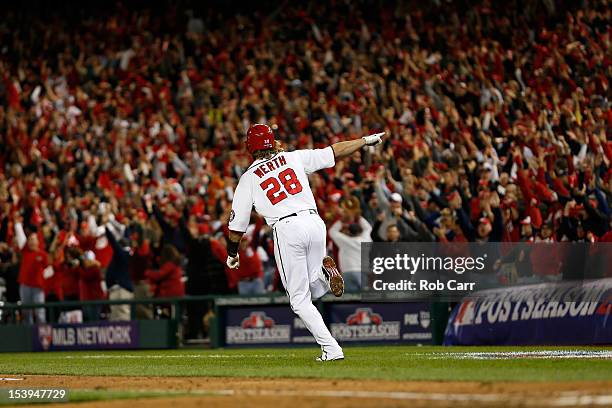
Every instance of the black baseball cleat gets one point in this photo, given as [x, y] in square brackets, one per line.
[334, 355]
[333, 276]
[324, 358]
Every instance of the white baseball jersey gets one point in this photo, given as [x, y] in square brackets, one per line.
[278, 186]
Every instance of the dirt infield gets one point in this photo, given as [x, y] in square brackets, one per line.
[279, 393]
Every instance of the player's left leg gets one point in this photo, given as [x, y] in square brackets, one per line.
[323, 273]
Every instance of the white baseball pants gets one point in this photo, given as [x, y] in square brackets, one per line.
[299, 248]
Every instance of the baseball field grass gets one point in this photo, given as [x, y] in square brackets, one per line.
[383, 363]
[120, 375]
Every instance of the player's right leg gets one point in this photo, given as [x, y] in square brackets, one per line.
[290, 250]
[317, 262]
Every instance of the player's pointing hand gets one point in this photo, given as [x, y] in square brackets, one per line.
[373, 140]
[348, 147]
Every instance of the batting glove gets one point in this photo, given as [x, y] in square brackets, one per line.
[373, 140]
[233, 262]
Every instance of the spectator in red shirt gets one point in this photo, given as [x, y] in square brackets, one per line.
[71, 272]
[53, 284]
[250, 273]
[9, 269]
[90, 285]
[141, 259]
[249, 276]
[33, 261]
[168, 280]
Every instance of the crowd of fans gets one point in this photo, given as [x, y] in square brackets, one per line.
[122, 135]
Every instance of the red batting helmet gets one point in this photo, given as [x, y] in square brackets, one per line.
[259, 137]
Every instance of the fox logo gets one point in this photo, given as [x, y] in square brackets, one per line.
[364, 316]
[257, 320]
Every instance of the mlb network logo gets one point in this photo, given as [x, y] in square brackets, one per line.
[45, 336]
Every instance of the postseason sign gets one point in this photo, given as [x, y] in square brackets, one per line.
[562, 313]
[85, 336]
[381, 323]
[450, 271]
[349, 322]
[264, 325]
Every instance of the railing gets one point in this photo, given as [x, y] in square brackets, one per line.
[54, 307]
[218, 300]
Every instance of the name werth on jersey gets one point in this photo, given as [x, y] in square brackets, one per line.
[270, 165]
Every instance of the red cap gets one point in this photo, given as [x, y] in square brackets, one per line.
[508, 203]
[452, 195]
[485, 220]
[259, 137]
[441, 166]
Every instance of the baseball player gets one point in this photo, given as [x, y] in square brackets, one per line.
[276, 184]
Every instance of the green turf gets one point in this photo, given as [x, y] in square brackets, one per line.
[389, 363]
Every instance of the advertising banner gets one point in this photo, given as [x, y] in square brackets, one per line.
[565, 313]
[264, 325]
[380, 322]
[85, 336]
[349, 322]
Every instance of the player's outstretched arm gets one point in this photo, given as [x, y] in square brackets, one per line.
[345, 149]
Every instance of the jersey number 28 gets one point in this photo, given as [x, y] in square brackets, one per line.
[289, 181]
